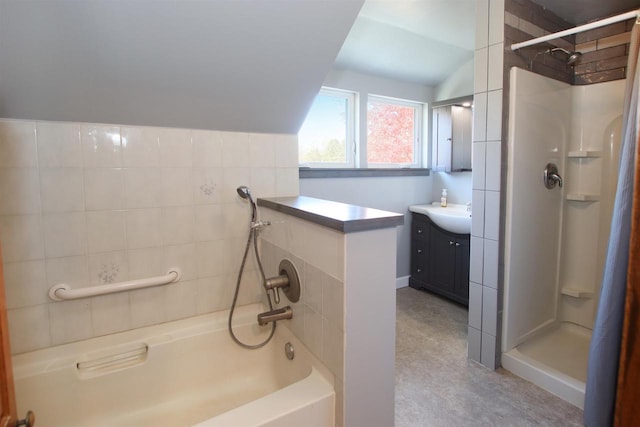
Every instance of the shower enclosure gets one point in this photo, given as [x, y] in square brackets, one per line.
[556, 239]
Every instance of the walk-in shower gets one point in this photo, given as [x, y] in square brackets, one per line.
[556, 238]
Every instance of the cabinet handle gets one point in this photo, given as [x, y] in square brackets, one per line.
[451, 242]
[419, 270]
[419, 251]
[457, 244]
[419, 231]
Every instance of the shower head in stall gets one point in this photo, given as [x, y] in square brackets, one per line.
[243, 191]
[572, 57]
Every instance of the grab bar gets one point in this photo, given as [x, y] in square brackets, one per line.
[62, 292]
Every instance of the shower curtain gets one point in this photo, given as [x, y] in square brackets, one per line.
[626, 413]
[604, 353]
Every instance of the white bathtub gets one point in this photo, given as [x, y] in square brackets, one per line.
[182, 373]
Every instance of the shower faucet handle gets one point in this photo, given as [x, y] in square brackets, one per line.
[551, 177]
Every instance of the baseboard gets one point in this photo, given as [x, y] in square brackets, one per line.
[402, 282]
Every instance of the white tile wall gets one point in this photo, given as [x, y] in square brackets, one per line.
[476, 265]
[482, 23]
[318, 254]
[490, 265]
[475, 305]
[495, 65]
[493, 166]
[485, 229]
[103, 188]
[474, 343]
[86, 204]
[494, 115]
[480, 77]
[18, 145]
[496, 21]
[58, 145]
[492, 215]
[19, 191]
[479, 164]
[489, 310]
[477, 212]
[480, 117]
[488, 353]
[101, 146]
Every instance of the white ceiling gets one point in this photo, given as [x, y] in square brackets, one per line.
[421, 41]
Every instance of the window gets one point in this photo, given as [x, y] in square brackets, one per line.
[326, 138]
[393, 132]
[390, 132]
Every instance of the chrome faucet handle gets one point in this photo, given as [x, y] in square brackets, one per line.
[551, 177]
[469, 207]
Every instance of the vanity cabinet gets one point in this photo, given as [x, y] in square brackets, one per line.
[439, 260]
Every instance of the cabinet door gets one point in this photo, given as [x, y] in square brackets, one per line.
[461, 282]
[442, 252]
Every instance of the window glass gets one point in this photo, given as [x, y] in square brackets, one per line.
[326, 136]
[393, 129]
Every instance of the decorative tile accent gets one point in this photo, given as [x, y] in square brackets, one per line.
[109, 273]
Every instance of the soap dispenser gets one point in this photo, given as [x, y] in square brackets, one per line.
[443, 198]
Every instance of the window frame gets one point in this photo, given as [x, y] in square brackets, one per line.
[418, 115]
[350, 135]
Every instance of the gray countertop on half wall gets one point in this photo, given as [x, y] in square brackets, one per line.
[338, 216]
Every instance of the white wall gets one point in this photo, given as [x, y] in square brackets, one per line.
[459, 84]
[388, 193]
[458, 185]
[393, 194]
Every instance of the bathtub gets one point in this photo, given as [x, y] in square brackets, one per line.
[181, 373]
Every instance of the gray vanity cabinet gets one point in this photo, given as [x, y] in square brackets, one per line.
[439, 260]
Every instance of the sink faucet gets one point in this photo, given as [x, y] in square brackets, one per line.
[469, 207]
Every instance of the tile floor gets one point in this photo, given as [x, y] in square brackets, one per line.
[436, 385]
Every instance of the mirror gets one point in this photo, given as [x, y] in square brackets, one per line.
[452, 133]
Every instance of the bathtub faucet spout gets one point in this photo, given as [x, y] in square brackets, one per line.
[275, 315]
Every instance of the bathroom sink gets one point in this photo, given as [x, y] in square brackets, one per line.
[453, 218]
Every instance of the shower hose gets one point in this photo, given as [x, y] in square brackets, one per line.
[253, 236]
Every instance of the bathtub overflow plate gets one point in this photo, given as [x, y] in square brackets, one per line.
[288, 351]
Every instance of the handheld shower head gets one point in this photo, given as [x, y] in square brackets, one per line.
[243, 191]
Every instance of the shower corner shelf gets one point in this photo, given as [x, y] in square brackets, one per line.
[583, 197]
[576, 292]
[584, 154]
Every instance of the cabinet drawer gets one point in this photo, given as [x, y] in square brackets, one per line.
[419, 229]
[419, 260]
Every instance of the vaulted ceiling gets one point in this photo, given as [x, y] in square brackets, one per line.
[419, 41]
[215, 64]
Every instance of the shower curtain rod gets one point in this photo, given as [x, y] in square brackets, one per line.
[578, 29]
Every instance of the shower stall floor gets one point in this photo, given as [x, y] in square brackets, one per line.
[555, 360]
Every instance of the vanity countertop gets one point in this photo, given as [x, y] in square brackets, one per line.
[339, 216]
